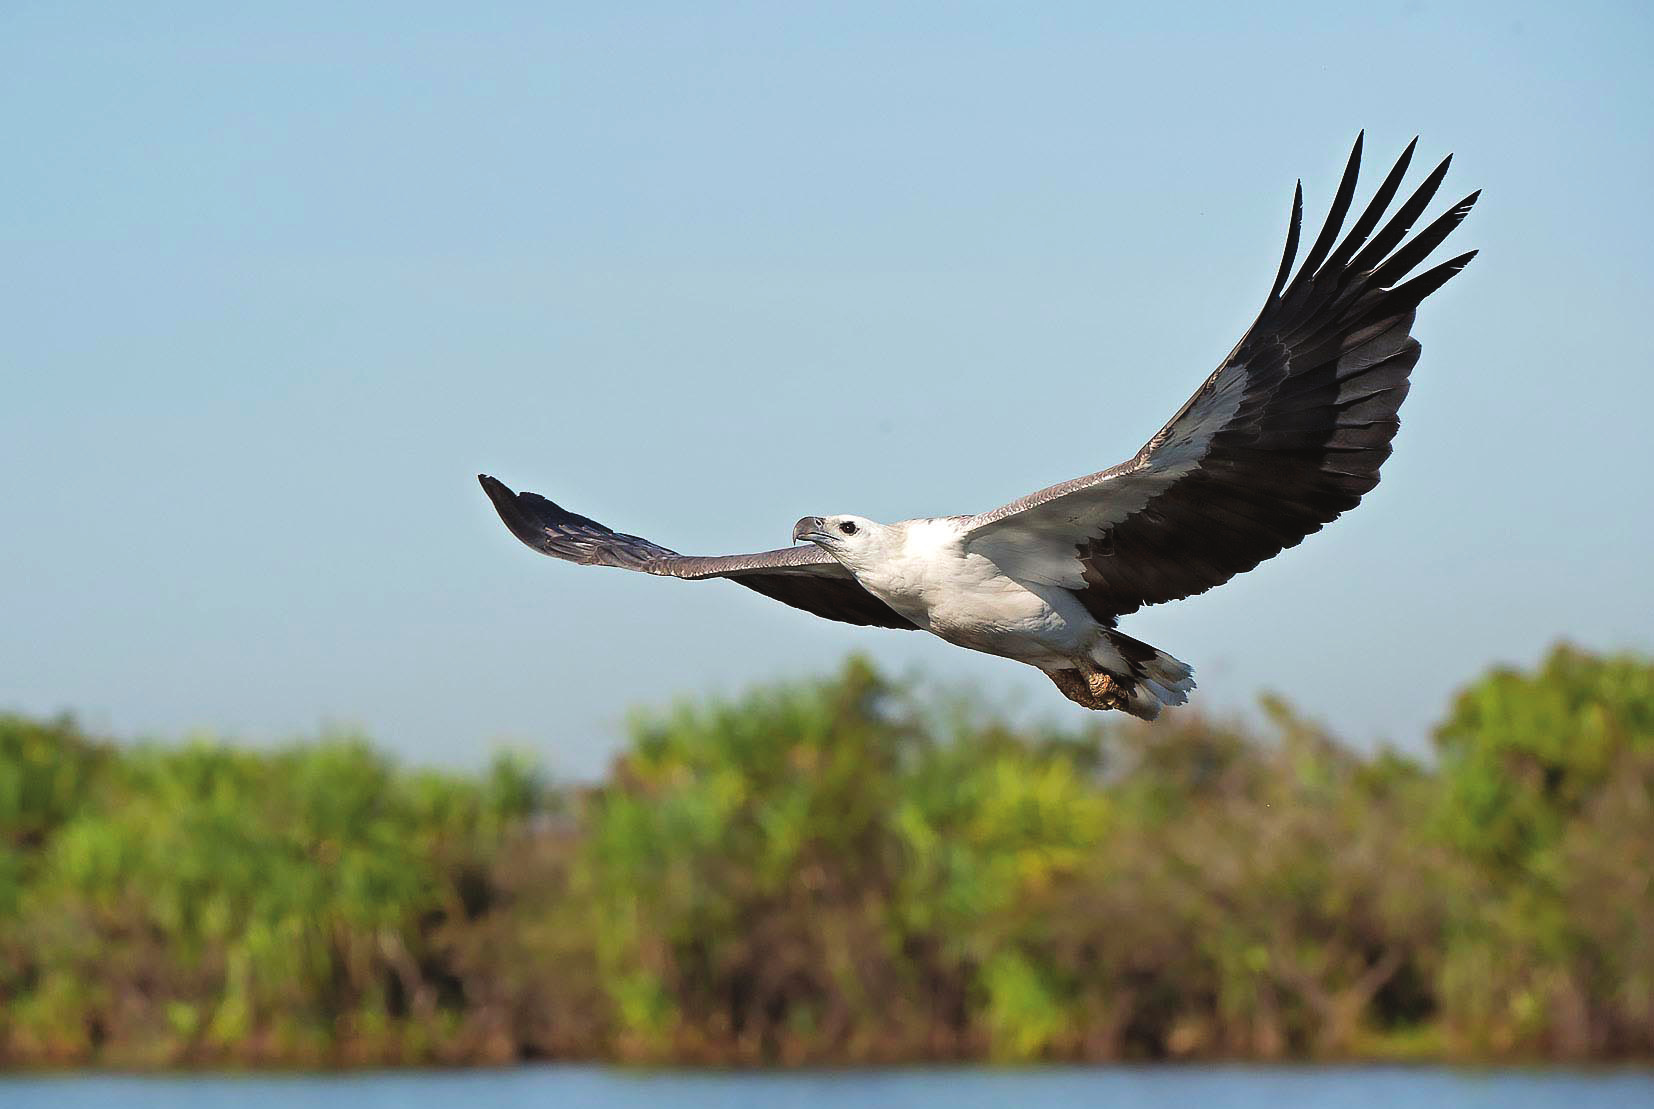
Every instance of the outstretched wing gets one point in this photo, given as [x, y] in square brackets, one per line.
[804, 577]
[1288, 433]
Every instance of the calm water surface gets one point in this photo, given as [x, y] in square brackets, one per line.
[967, 1088]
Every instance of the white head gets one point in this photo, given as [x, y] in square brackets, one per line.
[855, 541]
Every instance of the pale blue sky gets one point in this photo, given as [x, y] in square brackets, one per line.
[278, 285]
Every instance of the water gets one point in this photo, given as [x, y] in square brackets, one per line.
[1209, 1087]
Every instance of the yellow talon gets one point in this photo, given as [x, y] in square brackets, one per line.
[1106, 690]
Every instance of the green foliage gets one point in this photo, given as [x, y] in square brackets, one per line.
[836, 872]
[1545, 791]
[215, 902]
[738, 865]
[1522, 754]
[47, 770]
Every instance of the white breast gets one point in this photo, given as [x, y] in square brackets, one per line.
[964, 597]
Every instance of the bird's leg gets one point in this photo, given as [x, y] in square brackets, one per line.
[1088, 686]
[1073, 686]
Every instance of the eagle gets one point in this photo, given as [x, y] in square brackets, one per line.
[1285, 435]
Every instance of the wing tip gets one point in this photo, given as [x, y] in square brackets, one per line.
[513, 513]
[1290, 254]
[498, 491]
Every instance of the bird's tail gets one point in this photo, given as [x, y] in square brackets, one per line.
[1153, 680]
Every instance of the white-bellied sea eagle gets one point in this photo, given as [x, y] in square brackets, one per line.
[1289, 432]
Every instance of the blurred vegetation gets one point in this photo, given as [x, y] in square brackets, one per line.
[841, 872]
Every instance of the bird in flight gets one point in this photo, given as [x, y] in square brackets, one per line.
[1287, 433]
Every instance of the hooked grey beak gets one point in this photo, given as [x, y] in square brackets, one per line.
[808, 526]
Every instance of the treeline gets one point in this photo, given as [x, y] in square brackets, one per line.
[840, 872]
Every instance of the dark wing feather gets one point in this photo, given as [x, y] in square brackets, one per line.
[804, 577]
[1288, 433]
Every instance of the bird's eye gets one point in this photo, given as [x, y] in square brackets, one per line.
[847, 528]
